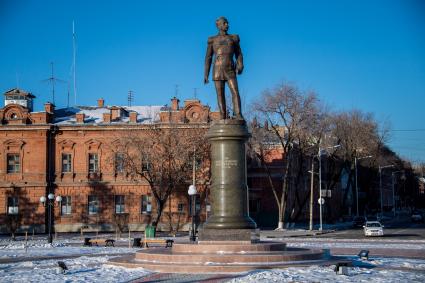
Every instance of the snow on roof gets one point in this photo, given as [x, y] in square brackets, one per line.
[146, 114]
[94, 114]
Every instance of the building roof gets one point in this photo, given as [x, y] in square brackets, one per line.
[94, 114]
[17, 91]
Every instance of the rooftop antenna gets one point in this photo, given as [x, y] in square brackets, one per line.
[176, 91]
[195, 92]
[52, 80]
[74, 54]
[67, 101]
[130, 97]
[17, 79]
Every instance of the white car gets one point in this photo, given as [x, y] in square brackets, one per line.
[373, 228]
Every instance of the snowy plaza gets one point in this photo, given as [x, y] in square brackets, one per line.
[37, 260]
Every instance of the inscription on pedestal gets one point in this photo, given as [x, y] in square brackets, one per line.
[226, 163]
[245, 235]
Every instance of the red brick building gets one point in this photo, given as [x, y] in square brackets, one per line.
[68, 152]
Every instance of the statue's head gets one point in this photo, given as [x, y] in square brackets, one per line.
[222, 24]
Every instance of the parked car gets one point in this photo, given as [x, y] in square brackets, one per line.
[373, 228]
[417, 216]
[359, 221]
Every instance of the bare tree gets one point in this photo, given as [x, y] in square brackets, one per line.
[359, 136]
[289, 114]
[162, 156]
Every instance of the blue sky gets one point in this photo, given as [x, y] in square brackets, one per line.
[368, 55]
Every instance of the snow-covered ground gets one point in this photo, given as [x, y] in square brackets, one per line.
[327, 274]
[326, 243]
[81, 269]
[91, 265]
[64, 247]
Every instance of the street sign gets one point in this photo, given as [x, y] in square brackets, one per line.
[321, 200]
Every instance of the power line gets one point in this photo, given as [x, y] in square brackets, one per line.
[408, 130]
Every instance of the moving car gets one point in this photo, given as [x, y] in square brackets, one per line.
[373, 228]
[359, 221]
[417, 216]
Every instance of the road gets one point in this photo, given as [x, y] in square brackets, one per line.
[402, 229]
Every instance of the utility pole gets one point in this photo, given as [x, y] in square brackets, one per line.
[393, 187]
[357, 188]
[380, 186]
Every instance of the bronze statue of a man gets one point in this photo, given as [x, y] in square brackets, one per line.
[224, 47]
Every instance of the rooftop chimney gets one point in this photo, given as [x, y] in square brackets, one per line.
[100, 103]
[79, 117]
[107, 117]
[174, 104]
[49, 107]
[133, 117]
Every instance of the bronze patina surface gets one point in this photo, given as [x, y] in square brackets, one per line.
[224, 48]
[228, 177]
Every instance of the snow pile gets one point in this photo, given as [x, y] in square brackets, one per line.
[405, 263]
[327, 274]
[82, 269]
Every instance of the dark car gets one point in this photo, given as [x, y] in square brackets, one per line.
[359, 221]
[417, 216]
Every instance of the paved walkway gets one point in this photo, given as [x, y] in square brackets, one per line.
[185, 278]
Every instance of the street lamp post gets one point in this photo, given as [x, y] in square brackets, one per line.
[393, 177]
[357, 188]
[319, 155]
[380, 186]
[50, 203]
[320, 188]
[311, 193]
[192, 193]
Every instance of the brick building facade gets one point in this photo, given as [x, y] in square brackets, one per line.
[68, 152]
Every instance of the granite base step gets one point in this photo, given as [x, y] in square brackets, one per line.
[217, 257]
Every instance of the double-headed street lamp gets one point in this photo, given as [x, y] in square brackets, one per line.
[50, 203]
[380, 186]
[321, 200]
[357, 188]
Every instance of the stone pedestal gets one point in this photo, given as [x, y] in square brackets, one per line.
[229, 194]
